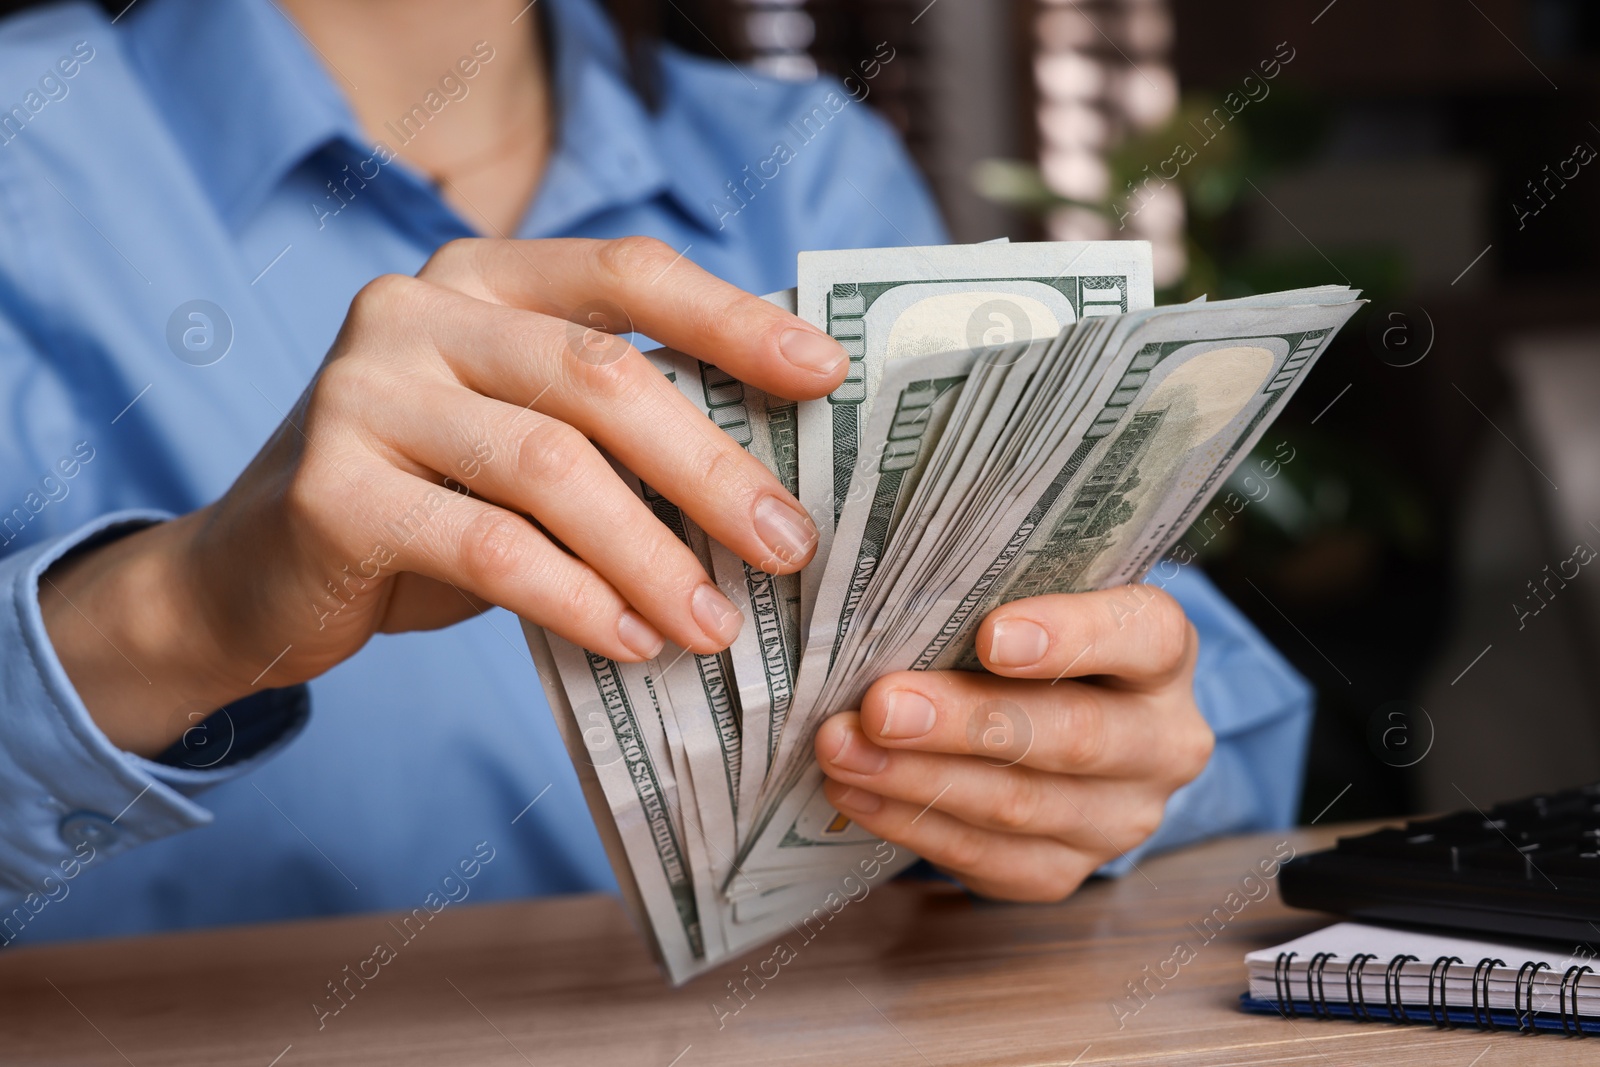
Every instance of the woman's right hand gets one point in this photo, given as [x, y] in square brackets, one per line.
[495, 369]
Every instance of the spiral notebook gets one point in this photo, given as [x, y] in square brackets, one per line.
[1382, 974]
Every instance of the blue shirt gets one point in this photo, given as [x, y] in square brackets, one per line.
[198, 151]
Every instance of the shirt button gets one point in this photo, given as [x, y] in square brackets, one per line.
[88, 827]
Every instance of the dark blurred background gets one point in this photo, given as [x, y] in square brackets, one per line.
[1423, 556]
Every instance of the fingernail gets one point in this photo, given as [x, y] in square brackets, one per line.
[787, 532]
[811, 351]
[859, 755]
[907, 714]
[640, 637]
[1018, 643]
[860, 800]
[715, 613]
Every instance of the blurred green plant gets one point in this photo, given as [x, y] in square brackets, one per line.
[1326, 527]
[1340, 515]
[1219, 167]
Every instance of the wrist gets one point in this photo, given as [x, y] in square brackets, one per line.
[125, 623]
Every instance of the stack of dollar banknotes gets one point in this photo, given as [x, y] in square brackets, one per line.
[1018, 419]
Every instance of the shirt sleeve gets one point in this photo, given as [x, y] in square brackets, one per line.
[1260, 710]
[71, 797]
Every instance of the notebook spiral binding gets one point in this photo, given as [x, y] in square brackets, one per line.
[1438, 973]
[1525, 1019]
[1438, 994]
[1570, 980]
[1280, 981]
[1317, 995]
[1480, 982]
[1358, 998]
[1391, 988]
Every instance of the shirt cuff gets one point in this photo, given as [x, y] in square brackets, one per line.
[71, 796]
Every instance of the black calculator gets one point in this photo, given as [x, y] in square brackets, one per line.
[1526, 868]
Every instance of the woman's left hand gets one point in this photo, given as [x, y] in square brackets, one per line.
[1024, 781]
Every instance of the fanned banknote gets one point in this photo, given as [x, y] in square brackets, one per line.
[882, 304]
[1018, 420]
[766, 654]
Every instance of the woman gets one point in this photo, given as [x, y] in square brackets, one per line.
[367, 235]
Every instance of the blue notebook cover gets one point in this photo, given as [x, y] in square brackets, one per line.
[1501, 1020]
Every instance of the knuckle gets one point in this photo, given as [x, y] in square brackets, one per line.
[1064, 880]
[1144, 820]
[963, 851]
[1082, 738]
[1017, 806]
[575, 602]
[313, 501]
[341, 382]
[1069, 816]
[714, 312]
[494, 547]
[626, 258]
[616, 378]
[1045, 880]
[1195, 747]
[1168, 629]
[720, 469]
[672, 565]
[383, 299]
[455, 256]
[346, 402]
[553, 453]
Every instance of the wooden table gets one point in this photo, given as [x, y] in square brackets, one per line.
[916, 974]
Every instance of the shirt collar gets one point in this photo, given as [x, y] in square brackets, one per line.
[247, 116]
[243, 94]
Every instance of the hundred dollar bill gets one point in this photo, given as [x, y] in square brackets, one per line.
[922, 398]
[1171, 482]
[918, 396]
[1036, 391]
[978, 467]
[1190, 393]
[984, 440]
[701, 866]
[913, 410]
[609, 715]
[881, 304]
[703, 706]
[1178, 397]
[765, 655]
